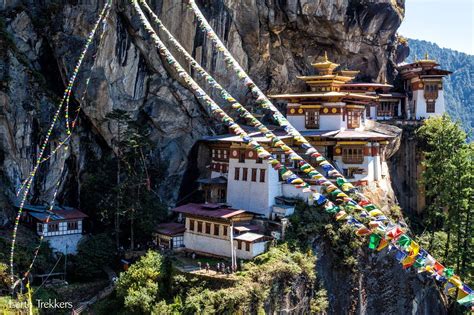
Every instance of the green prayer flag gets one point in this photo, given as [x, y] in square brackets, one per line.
[467, 300]
[448, 272]
[370, 207]
[420, 262]
[404, 241]
[374, 241]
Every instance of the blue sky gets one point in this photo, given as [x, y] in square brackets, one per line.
[448, 23]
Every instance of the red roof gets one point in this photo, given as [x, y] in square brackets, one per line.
[170, 228]
[71, 214]
[208, 210]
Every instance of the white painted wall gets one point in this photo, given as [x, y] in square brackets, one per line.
[255, 250]
[298, 121]
[217, 246]
[253, 196]
[207, 244]
[369, 165]
[332, 122]
[291, 191]
[418, 96]
[326, 122]
[66, 244]
[62, 229]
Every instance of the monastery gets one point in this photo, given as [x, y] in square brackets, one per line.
[335, 114]
[245, 199]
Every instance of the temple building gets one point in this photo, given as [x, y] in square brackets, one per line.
[337, 116]
[61, 226]
[423, 83]
[211, 229]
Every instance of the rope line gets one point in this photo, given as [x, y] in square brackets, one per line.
[215, 109]
[440, 272]
[65, 99]
[276, 142]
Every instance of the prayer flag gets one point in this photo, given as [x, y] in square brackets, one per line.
[383, 243]
[374, 241]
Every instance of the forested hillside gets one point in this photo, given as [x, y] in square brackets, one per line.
[459, 87]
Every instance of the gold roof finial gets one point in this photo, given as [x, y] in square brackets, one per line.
[326, 56]
[426, 56]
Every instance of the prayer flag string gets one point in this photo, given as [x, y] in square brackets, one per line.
[265, 103]
[64, 100]
[262, 153]
[76, 118]
[275, 141]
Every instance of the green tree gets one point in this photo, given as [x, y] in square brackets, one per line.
[93, 253]
[447, 179]
[138, 286]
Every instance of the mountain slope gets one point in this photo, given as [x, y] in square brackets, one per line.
[459, 86]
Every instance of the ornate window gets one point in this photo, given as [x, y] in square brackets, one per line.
[53, 227]
[237, 173]
[191, 225]
[431, 91]
[312, 118]
[254, 174]
[72, 225]
[208, 228]
[353, 119]
[430, 106]
[384, 109]
[353, 155]
[178, 241]
[216, 229]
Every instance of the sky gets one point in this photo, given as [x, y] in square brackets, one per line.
[448, 23]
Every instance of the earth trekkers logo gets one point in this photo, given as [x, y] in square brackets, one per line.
[47, 304]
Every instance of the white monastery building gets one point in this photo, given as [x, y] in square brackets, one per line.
[333, 113]
[62, 227]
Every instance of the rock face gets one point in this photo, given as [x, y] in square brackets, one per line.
[273, 40]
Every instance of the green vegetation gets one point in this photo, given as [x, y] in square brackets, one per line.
[309, 222]
[119, 191]
[447, 177]
[457, 86]
[93, 253]
[139, 286]
[150, 286]
[24, 253]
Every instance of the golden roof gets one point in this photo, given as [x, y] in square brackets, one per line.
[325, 66]
[427, 59]
[322, 95]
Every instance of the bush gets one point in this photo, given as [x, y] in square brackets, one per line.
[93, 253]
[138, 286]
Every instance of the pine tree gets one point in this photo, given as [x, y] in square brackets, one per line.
[447, 178]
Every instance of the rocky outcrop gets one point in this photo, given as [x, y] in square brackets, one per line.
[273, 41]
[405, 170]
[379, 286]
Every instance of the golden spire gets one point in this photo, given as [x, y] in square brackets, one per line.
[326, 56]
[426, 56]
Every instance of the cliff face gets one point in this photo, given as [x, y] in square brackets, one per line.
[274, 40]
